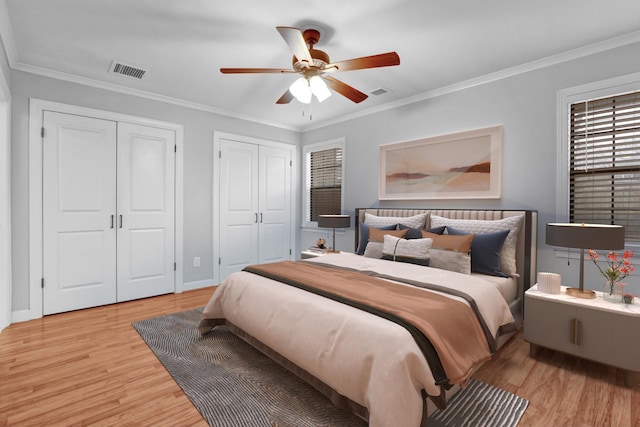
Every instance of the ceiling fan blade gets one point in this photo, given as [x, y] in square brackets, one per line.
[254, 70]
[345, 90]
[286, 98]
[382, 60]
[294, 39]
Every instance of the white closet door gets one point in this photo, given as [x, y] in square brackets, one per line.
[79, 200]
[275, 205]
[239, 214]
[145, 221]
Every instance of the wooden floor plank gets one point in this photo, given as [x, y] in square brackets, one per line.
[90, 367]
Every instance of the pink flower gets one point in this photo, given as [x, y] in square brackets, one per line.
[615, 269]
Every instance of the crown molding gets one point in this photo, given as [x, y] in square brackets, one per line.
[144, 94]
[6, 34]
[570, 55]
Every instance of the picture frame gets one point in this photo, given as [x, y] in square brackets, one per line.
[463, 165]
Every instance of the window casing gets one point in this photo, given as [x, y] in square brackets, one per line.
[604, 162]
[323, 177]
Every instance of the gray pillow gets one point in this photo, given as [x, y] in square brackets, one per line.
[414, 251]
[450, 260]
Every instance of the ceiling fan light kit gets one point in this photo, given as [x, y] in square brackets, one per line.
[302, 89]
[319, 88]
[314, 66]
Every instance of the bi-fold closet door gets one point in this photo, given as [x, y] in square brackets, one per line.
[108, 212]
[255, 205]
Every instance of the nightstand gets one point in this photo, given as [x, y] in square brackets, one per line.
[593, 329]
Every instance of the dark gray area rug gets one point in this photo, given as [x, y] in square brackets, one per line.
[232, 384]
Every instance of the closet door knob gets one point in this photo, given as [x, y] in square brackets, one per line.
[112, 218]
[260, 217]
[120, 221]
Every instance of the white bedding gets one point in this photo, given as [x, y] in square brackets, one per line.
[507, 286]
[372, 361]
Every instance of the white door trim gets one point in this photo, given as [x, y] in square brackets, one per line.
[5, 203]
[217, 136]
[36, 109]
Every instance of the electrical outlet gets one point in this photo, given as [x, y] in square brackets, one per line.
[196, 261]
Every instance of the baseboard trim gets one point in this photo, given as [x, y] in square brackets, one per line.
[21, 316]
[188, 286]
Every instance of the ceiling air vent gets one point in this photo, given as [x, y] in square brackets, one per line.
[379, 92]
[126, 70]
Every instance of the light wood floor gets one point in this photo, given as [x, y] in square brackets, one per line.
[90, 367]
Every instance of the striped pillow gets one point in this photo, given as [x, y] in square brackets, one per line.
[416, 221]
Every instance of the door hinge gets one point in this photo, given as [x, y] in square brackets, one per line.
[42, 132]
[220, 154]
[42, 283]
[175, 266]
[290, 162]
[220, 261]
[175, 148]
[289, 251]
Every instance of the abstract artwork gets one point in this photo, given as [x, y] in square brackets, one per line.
[464, 165]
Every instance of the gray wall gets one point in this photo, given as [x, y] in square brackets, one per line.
[5, 191]
[198, 164]
[525, 105]
[4, 64]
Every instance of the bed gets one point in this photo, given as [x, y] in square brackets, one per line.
[332, 320]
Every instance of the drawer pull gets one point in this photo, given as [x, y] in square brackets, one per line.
[572, 331]
[575, 331]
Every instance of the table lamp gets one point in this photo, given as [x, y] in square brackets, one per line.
[585, 236]
[334, 221]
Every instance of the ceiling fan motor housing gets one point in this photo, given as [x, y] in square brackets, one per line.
[320, 58]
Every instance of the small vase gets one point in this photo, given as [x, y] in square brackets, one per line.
[613, 291]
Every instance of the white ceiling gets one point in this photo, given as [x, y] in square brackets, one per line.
[442, 45]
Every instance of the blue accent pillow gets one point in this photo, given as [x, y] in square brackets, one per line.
[416, 233]
[485, 251]
[364, 236]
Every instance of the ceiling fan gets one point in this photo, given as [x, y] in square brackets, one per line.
[314, 66]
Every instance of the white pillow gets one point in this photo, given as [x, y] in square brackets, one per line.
[414, 251]
[450, 260]
[416, 221]
[477, 226]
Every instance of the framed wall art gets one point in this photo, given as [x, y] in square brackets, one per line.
[464, 165]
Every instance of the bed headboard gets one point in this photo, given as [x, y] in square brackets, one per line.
[527, 236]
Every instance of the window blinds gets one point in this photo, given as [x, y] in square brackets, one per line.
[326, 183]
[604, 162]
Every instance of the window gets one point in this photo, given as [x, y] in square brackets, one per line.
[604, 162]
[323, 180]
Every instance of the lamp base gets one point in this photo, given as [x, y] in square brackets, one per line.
[585, 293]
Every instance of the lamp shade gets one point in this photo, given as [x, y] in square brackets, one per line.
[300, 90]
[334, 221]
[319, 88]
[585, 236]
